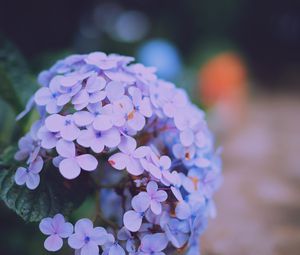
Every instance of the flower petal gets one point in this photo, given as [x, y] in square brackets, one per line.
[53, 243]
[132, 220]
[69, 168]
[87, 162]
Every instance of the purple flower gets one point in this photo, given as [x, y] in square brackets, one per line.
[65, 125]
[97, 140]
[87, 238]
[125, 235]
[70, 166]
[48, 139]
[26, 147]
[159, 168]
[48, 96]
[182, 210]
[133, 219]
[30, 176]
[153, 244]
[129, 156]
[102, 61]
[57, 228]
[112, 247]
[156, 197]
[177, 232]
[142, 109]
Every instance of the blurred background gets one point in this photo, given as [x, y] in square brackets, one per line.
[238, 59]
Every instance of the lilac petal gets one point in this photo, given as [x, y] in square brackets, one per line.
[134, 167]
[124, 234]
[160, 196]
[86, 137]
[97, 97]
[29, 105]
[97, 145]
[48, 139]
[83, 226]
[87, 162]
[65, 148]
[95, 83]
[182, 210]
[153, 170]
[120, 76]
[155, 207]
[115, 90]
[112, 137]
[141, 152]
[118, 160]
[63, 99]
[102, 123]
[146, 108]
[68, 81]
[45, 226]
[127, 145]
[56, 160]
[53, 243]
[136, 121]
[52, 107]
[165, 161]
[54, 123]
[65, 230]
[81, 97]
[152, 188]
[140, 202]
[159, 242]
[32, 181]
[36, 165]
[70, 132]
[116, 249]
[132, 220]
[202, 162]
[76, 241]
[83, 118]
[79, 107]
[43, 96]
[21, 175]
[98, 235]
[57, 221]
[90, 249]
[187, 137]
[69, 168]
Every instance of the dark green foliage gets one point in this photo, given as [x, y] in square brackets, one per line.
[54, 194]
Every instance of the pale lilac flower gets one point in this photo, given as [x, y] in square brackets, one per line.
[97, 140]
[156, 197]
[142, 109]
[48, 96]
[67, 93]
[92, 93]
[177, 232]
[159, 168]
[57, 228]
[129, 156]
[73, 79]
[112, 247]
[153, 244]
[70, 166]
[125, 235]
[65, 125]
[101, 60]
[145, 74]
[48, 139]
[133, 219]
[30, 176]
[26, 147]
[182, 210]
[87, 238]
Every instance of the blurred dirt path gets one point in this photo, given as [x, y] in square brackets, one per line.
[259, 202]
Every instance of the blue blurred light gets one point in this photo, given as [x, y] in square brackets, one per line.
[163, 55]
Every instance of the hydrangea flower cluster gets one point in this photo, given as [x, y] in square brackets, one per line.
[98, 113]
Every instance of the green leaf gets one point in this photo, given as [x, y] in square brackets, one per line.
[16, 85]
[54, 194]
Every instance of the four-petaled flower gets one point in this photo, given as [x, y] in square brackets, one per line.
[87, 238]
[57, 228]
